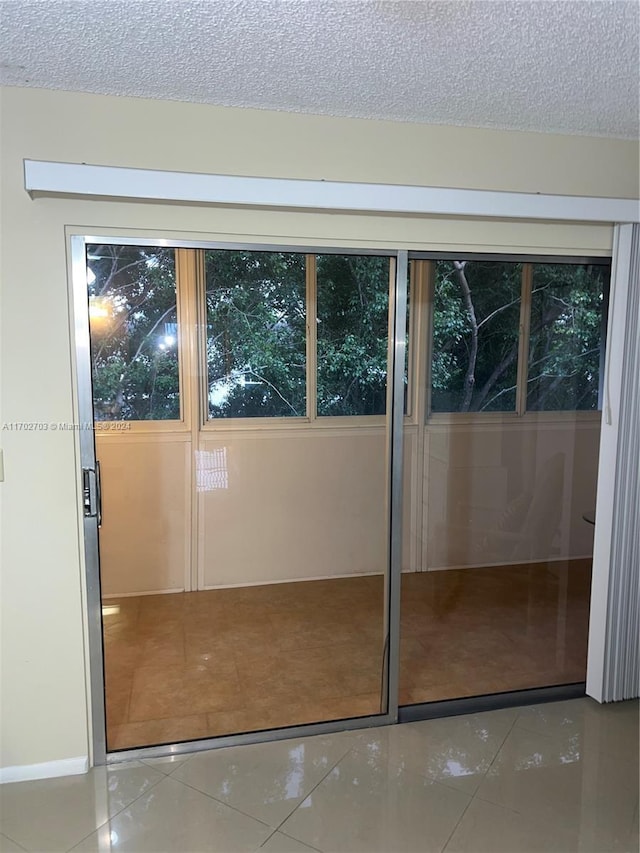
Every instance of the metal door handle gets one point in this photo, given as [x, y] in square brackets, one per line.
[98, 495]
[92, 493]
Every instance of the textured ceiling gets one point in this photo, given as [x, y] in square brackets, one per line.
[568, 66]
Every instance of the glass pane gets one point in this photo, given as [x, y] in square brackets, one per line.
[476, 318]
[353, 303]
[256, 343]
[134, 333]
[497, 570]
[565, 338]
[287, 625]
[497, 575]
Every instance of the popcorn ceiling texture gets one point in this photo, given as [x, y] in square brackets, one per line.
[555, 66]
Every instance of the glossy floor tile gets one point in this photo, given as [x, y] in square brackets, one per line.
[52, 815]
[369, 804]
[569, 782]
[282, 774]
[280, 843]
[9, 846]
[558, 778]
[172, 817]
[455, 751]
[195, 665]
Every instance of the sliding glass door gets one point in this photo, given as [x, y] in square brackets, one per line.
[239, 401]
[504, 455]
[298, 525]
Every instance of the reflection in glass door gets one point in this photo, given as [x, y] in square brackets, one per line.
[241, 429]
[504, 453]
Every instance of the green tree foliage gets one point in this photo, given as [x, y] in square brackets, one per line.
[476, 310]
[353, 305]
[566, 330]
[256, 338]
[132, 310]
[256, 334]
[476, 336]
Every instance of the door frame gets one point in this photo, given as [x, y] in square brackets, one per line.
[394, 429]
[89, 529]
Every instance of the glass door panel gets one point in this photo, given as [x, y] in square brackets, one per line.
[497, 594]
[244, 537]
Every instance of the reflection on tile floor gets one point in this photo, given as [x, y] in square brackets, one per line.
[561, 777]
[194, 665]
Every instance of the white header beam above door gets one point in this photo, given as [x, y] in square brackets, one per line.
[80, 179]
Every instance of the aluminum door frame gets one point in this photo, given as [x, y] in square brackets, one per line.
[89, 528]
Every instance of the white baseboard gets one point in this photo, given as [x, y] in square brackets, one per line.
[292, 580]
[508, 565]
[47, 770]
[142, 592]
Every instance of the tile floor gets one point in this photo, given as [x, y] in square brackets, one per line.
[195, 665]
[559, 777]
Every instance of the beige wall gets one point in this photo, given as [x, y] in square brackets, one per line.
[502, 493]
[44, 715]
[271, 505]
[145, 541]
[295, 507]
[280, 504]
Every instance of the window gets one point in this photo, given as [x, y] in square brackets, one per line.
[565, 336]
[256, 337]
[352, 324]
[305, 336]
[261, 308]
[134, 332]
[483, 315]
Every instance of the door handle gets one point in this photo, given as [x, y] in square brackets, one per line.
[92, 493]
[98, 495]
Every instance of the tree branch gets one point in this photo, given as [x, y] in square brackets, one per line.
[469, 379]
[498, 311]
[271, 385]
[497, 372]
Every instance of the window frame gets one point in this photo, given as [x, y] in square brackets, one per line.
[191, 316]
[190, 285]
[520, 412]
[311, 419]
